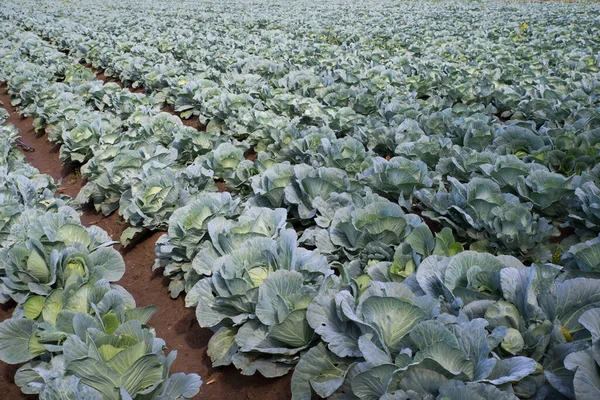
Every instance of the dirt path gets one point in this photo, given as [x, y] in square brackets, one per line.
[174, 323]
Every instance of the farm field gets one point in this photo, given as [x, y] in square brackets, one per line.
[299, 199]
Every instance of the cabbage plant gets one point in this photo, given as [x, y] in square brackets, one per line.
[256, 300]
[547, 191]
[57, 251]
[188, 228]
[589, 196]
[128, 362]
[109, 174]
[584, 257]
[157, 193]
[480, 210]
[384, 342]
[311, 183]
[397, 177]
[586, 381]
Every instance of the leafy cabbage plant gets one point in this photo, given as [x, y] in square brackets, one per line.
[589, 197]
[543, 315]
[23, 189]
[584, 257]
[228, 234]
[366, 223]
[56, 251]
[417, 246]
[110, 173]
[481, 211]
[391, 341]
[256, 299]
[310, 184]
[157, 193]
[78, 332]
[548, 191]
[396, 178]
[188, 228]
[104, 355]
[585, 363]
[269, 185]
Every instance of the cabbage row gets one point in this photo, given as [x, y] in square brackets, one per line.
[412, 205]
[79, 334]
[123, 138]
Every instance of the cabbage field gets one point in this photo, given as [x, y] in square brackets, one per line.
[379, 199]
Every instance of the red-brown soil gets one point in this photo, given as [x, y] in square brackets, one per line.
[173, 322]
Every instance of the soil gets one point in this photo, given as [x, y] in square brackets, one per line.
[100, 75]
[250, 154]
[193, 121]
[173, 322]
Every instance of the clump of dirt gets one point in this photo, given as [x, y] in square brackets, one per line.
[251, 154]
